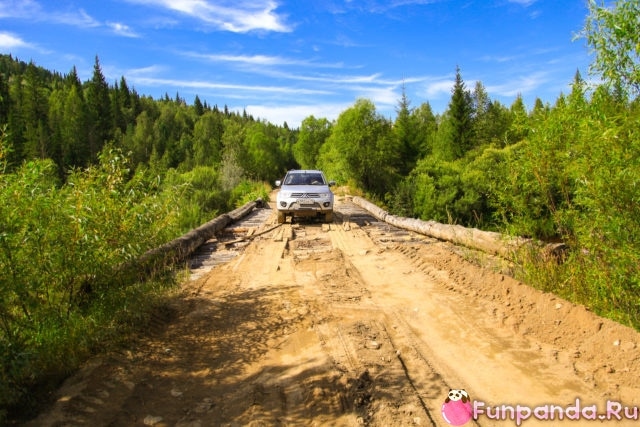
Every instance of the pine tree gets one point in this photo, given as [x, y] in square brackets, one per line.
[461, 118]
[4, 99]
[519, 121]
[198, 107]
[426, 125]
[34, 113]
[406, 132]
[99, 111]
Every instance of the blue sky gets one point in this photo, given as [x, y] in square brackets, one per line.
[283, 60]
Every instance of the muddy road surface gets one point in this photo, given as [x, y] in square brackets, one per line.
[356, 323]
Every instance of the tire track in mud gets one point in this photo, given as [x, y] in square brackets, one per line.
[309, 324]
[359, 335]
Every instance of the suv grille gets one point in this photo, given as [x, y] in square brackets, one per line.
[306, 195]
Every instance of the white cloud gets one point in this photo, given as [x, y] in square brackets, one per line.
[525, 3]
[33, 11]
[206, 85]
[10, 41]
[380, 6]
[520, 85]
[122, 29]
[380, 96]
[78, 18]
[294, 114]
[19, 9]
[234, 16]
[436, 89]
[150, 70]
[261, 60]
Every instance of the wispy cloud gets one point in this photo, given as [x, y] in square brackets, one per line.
[207, 85]
[525, 3]
[78, 18]
[437, 88]
[33, 11]
[151, 70]
[378, 6]
[234, 16]
[10, 41]
[520, 85]
[260, 60]
[122, 29]
[500, 58]
[278, 67]
[19, 9]
[294, 114]
[381, 96]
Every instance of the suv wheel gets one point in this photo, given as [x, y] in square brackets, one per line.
[328, 217]
[282, 218]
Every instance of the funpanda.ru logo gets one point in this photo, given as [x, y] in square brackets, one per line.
[614, 411]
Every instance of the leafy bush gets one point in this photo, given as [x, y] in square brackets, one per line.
[583, 166]
[200, 194]
[248, 191]
[60, 248]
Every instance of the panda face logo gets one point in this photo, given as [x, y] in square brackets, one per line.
[456, 395]
[456, 409]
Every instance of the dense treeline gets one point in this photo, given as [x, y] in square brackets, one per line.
[55, 116]
[92, 175]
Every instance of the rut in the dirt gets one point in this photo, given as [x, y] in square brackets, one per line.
[344, 324]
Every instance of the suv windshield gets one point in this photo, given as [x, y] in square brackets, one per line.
[304, 179]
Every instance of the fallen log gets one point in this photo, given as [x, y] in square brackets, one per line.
[487, 241]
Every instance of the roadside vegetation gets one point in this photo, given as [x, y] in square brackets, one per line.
[92, 175]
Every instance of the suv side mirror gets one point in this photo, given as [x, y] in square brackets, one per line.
[278, 182]
[332, 183]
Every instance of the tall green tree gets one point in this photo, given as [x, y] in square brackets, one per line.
[4, 99]
[482, 120]
[234, 155]
[457, 136]
[313, 133]
[406, 132]
[613, 33]
[140, 142]
[362, 148]
[99, 114]
[520, 127]
[426, 124]
[198, 107]
[263, 155]
[35, 106]
[207, 139]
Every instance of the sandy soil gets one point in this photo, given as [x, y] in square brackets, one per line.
[356, 323]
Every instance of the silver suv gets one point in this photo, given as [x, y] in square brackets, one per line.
[305, 193]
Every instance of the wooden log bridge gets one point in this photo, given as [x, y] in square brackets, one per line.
[179, 249]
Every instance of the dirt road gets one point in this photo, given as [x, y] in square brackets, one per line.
[356, 323]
